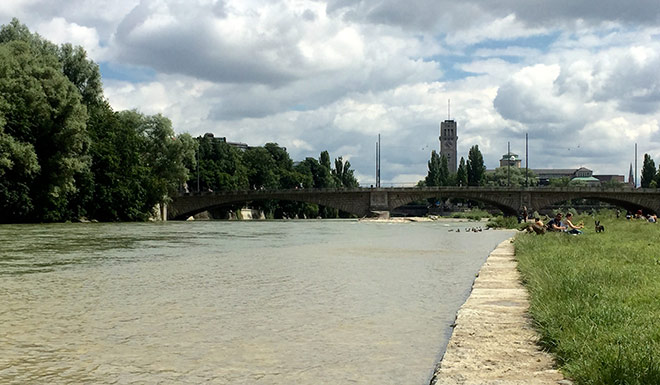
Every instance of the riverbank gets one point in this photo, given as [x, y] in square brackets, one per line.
[595, 297]
[493, 341]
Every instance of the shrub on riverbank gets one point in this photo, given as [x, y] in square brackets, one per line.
[594, 298]
[475, 215]
[503, 223]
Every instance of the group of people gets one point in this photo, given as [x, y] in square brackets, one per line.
[567, 225]
[652, 218]
[557, 224]
[561, 223]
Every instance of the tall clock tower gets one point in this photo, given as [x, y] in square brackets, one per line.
[448, 139]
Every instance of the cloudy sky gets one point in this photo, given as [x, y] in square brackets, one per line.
[581, 77]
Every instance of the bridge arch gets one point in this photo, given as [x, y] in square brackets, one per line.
[362, 201]
[353, 201]
[399, 200]
[629, 202]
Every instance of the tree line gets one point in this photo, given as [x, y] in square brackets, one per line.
[66, 154]
[223, 167]
[473, 173]
[650, 176]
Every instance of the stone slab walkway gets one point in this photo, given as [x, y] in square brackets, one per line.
[493, 341]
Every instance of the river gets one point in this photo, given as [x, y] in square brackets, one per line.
[267, 302]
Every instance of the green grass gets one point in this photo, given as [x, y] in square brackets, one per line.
[595, 299]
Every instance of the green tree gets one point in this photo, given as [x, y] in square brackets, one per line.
[612, 183]
[43, 110]
[64, 152]
[461, 174]
[85, 76]
[502, 176]
[475, 167]
[287, 176]
[434, 170]
[648, 171]
[165, 156]
[560, 182]
[82, 72]
[261, 168]
[221, 166]
[324, 159]
[280, 156]
[18, 168]
[15, 31]
[343, 174]
[445, 176]
[315, 175]
[121, 177]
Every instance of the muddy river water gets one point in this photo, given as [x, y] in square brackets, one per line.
[269, 302]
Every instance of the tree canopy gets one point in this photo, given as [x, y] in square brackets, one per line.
[42, 112]
[438, 171]
[510, 176]
[476, 168]
[63, 152]
[461, 173]
[649, 173]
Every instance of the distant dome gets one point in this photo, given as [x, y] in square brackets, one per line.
[510, 156]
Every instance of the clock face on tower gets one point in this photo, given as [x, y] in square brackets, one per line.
[449, 144]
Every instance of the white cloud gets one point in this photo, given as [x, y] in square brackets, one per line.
[314, 75]
[504, 28]
[59, 31]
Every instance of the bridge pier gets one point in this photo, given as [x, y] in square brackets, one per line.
[379, 204]
[525, 201]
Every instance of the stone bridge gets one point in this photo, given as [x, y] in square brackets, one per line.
[364, 201]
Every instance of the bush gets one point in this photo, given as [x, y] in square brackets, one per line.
[503, 223]
[475, 215]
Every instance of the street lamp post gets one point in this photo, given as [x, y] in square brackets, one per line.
[526, 160]
[198, 152]
[508, 164]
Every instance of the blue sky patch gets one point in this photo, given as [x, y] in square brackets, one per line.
[540, 42]
[132, 74]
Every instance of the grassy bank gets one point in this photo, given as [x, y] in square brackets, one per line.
[596, 299]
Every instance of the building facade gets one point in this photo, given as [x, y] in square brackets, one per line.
[448, 142]
[577, 176]
[241, 146]
[510, 159]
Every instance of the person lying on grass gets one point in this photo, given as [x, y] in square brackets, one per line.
[570, 227]
[555, 224]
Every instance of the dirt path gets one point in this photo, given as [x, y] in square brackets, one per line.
[493, 342]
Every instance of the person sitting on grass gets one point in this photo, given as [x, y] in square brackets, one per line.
[538, 222]
[570, 227]
[537, 226]
[555, 224]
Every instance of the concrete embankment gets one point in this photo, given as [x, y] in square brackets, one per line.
[493, 341]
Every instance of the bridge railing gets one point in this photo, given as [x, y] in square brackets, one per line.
[439, 189]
